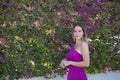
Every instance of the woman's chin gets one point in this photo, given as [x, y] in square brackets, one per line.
[77, 38]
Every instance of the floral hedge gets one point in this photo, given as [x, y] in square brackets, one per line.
[35, 35]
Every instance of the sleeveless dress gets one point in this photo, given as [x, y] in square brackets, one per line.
[75, 73]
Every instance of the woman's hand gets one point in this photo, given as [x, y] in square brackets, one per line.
[67, 63]
[62, 63]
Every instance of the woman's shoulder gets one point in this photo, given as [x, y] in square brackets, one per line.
[84, 44]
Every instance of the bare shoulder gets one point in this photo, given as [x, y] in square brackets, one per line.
[84, 44]
[85, 48]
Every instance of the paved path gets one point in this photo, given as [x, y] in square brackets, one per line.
[101, 76]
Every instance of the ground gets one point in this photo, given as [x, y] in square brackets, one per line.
[101, 76]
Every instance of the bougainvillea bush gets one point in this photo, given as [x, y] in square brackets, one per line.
[36, 35]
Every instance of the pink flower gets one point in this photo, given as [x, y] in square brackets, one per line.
[107, 69]
[76, 13]
[67, 46]
[2, 41]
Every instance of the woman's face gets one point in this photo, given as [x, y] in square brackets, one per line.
[78, 33]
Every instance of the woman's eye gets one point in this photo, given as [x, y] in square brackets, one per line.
[79, 31]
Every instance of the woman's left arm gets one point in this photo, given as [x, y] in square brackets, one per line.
[86, 59]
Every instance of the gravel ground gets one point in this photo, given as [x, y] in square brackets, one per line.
[101, 76]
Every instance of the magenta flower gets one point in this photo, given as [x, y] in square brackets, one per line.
[95, 28]
[82, 16]
[89, 16]
[111, 20]
[5, 60]
[107, 10]
[68, 22]
[97, 2]
[88, 4]
[84, 9]
[87, 29]
[99, 11]
[118, 32]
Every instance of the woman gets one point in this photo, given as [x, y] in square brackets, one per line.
[78, 56]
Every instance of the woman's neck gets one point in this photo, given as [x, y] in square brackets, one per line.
[78, 41]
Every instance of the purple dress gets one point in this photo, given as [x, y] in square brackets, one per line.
[75, 73]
